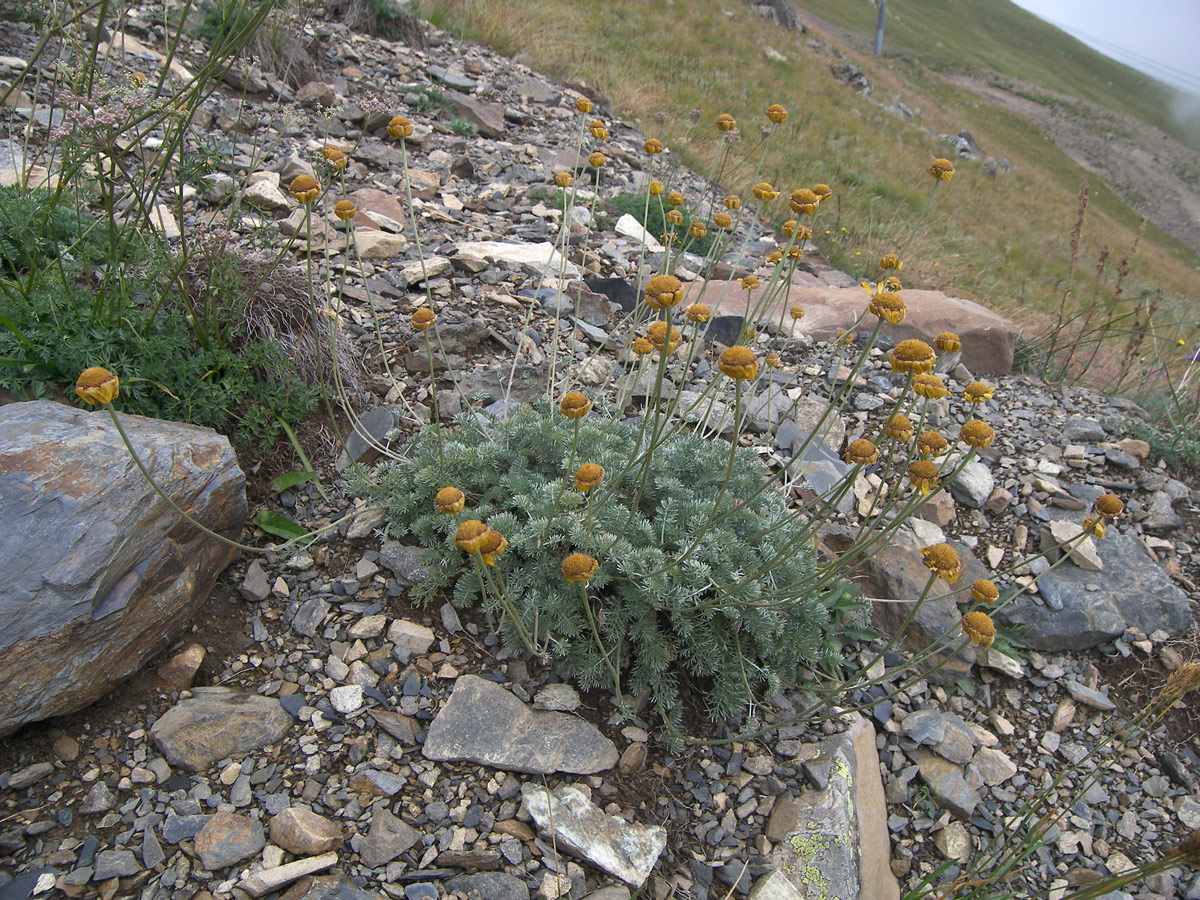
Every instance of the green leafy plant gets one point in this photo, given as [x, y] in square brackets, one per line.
[740, 608]
[653, 219]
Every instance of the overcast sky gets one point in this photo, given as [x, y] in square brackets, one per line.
[1159, 37]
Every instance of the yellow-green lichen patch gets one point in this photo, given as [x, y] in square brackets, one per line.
[808, 846]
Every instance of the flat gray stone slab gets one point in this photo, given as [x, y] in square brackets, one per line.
[217, 723]
[483, 723]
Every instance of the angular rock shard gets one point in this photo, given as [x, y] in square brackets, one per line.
[624, 850]
[215, 723]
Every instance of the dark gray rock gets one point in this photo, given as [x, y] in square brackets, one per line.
[98, 574]
[387, 839]
[1083, 609]
[949, 786]
[218, 722]
[492, 885]
[402, 560]
[328, 887]
[484, 723]
[115, 864]
[368, 437]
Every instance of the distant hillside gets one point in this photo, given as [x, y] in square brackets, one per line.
[998, 35]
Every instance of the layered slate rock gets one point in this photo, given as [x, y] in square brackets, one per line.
[833, 842]
[216, 723]
[483, 723]
[97, 573]
[1076, 608]
[625, 850]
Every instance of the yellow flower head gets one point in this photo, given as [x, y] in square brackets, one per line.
[449, 500]
[1109, 506]
[723, 220]
[664, 292]
[899, 427]
[564, 179]
[675, 198]
[469, 536]
[1095, 525]
[584, 105]
[345, 210]
[773, 360]
[670, 238]
[984, 591]
[138, 78]
[892, 283]
[912, 355]
[942, 560]
[726, 122]
[948, 342]
[97, 386]
[930, 387]
[749, 282]
[802, 233]
[823, 192]
[675, 217]
[597, 159]
[653, 146]
[492, 545]
[656, 188]
[891, 261]
[642, 346]
[788, 228]
[888, 306]
[979, 628]
[977, 434]
[796, 312]
[335, 157]
[579, 567]
[698, 230]
[942, 169]
[804, 202]
[598, 131]
[663, 335]
[575, 405]
[732, 201]
[977, 392]
[588, 476]
[739, 363]
[776, 113]
[764, 192]
[423, 318]
[924, 475]
[774, 258]
[304, 188]
[931, 444]
[698, 312]
[399, 127]
[861, 452]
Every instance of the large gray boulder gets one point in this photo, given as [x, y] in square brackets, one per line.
[97, 573]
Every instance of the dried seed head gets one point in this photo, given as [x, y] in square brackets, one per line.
[861, 452]
[912, 355]
[749, 282]
[675, 198]
[942, 560]
[584, 105]
[984, 591]
[796, 312]
[423, 318]
[1183, 680]
[773, 360]
[979, 628]
[977, 434]
[491, 545]
[675, 217]
[1095, 525]
[588, 476]
[739, 363]
[823, 191]
[663, 336]
[642, 346]
[698, 230]
[449, 500]
[656, 188]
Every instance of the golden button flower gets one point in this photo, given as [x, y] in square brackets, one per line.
[399, 127]
[979, 628]
[804, 202]
[723, 220]
[641, 346]
[584, 105]
[750, 283]
[774, 258]
[491, 545]
[469, 536]
[656, 188]
[738, 363]
[948, 342]
[653, 146]
[776, 113]
[984, 591]
[764, 192]
[334, 156]
[912, 355]
[698, 230]
[891, 261]
[773, 360]
[662, 334]
[579, 567]
[942, 169]
[726, 122]
[675, 217]
[732, 201]
[597, 159]
[977, 392]
[575, 405]
[977, 434]
[423, 318]
[588, 476]
[675, 198]
[304, 188]
[899, 427]
[861, 452]
[942, 560]
[823, 191]
[930, 387]
[796, 312]
[345, 210]
[449, 500]
[698, 312]
[888, 306]
[1109, 506]
[930, 444]
[1095, 525]
[892, 283]
[598, 131]
[564, 179]
[924, 475]
[97, 386]
[663, 292]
